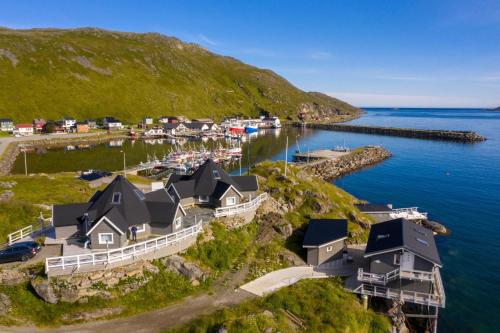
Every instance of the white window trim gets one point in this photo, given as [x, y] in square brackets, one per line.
[397, 259]
[141, 228]
[230, 204]
[329, 249]
[101, 242]
[204, 197]
[178, 222]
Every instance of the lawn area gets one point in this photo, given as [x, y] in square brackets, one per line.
[320, 305]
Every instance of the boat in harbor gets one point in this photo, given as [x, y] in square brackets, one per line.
[251, 129]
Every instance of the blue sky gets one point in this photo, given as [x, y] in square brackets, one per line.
[370, 53]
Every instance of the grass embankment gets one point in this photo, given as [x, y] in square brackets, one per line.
[319, 306]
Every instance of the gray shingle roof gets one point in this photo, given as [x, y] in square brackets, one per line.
[134, 207]
[207, 179]
[323, 231]
[367, 208]
[400, 233]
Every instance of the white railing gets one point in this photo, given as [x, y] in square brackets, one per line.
[408, 213]
[392, 275]
[438, 283]
[29, 231]
[398, 294]
[241, 208]
[121, 254]
[20, 234]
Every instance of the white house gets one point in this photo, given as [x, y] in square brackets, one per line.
[68, 123]
[24, 129]
[147, 121]
[173, 129]
[155, 131]
[112, 123]
[6, 125]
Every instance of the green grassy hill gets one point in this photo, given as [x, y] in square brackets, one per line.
[90, 73]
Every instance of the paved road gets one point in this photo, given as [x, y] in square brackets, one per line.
[4, 142]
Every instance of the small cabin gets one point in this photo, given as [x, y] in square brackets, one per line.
[325, 240]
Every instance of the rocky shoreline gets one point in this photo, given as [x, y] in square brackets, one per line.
[329, 169]
[445, 135]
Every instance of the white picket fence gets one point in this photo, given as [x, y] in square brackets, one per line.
[29, 231]
[125, 253]
[241, 208]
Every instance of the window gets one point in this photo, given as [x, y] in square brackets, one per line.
[172, 193]
[117, 196]
[178, 222]
[230, 201]
[139, 194]
[106, 238]
[141, 228]
[397, 259]
[216, 174]
[329, 249]
[204, 198]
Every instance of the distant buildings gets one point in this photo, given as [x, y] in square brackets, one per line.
[6, 125]
[38, 125]
[111, 123]
[82, 127]
[24, 129]
[68, 123]
[147, 121]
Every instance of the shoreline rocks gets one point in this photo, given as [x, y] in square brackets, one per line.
[329, 169]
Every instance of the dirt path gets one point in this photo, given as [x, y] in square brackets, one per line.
[162, 319]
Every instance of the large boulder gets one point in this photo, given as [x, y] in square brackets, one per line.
[45, 290]
[190, 270]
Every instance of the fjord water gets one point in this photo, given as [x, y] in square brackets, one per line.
[459, 184]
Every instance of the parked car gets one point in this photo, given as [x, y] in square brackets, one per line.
[21, 251]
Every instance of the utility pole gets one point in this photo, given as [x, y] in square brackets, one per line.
[124, 165]
[25, 162]
[286, 155]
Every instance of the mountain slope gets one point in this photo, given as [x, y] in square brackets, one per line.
[89, 73]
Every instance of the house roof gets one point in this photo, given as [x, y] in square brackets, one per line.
[171, 125]
[367, 208]
[5, 120]
[324, 231]
[402, 234]
[132, 207]
[196, 125]
[210, 179]
[24, 126]
[66, 215]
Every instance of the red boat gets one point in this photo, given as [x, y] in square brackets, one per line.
[237, 129]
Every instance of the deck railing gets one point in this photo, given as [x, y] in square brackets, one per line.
[392, 275]
[121, 254]
[241, 208]
[404, 295]
[410, 212]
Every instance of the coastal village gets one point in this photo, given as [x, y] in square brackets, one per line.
[124, 227]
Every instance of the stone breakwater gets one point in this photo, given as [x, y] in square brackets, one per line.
[329, 169]
[446, 135]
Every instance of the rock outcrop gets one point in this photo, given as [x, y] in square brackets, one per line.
[178, 264]
[5, 304]
[329, 169]
[78, 287]
[13, 276]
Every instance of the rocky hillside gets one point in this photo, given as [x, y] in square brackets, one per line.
[88, 73]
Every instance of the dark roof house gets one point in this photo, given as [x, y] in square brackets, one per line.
[211, 181]
[402, 234]
[120, 206]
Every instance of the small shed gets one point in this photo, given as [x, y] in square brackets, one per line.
[325, 240]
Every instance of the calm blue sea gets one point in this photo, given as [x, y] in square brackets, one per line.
[459, 184]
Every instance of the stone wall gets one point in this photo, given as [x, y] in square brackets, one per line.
[329, 169]
[461, 136]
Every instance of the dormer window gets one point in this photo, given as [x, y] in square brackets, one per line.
[421, 241]
[117, 196]
[382, 236]
[216, 174]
